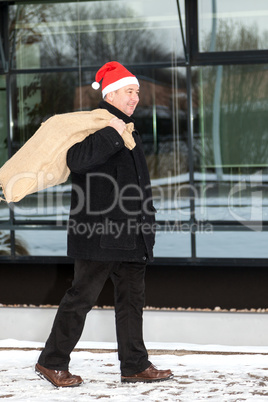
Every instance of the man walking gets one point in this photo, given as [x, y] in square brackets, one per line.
[110, 234]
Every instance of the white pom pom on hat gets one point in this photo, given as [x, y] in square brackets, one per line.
[95, 85]
[114, 76]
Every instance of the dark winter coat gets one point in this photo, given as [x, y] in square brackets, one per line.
[112, 217]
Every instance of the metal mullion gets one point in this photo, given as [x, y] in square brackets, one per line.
[26, 2]
[166, 261]
[3, 39]
[190, 118]
[207, 262]
[181, 28]
[9, 120]
[223, 226]
[32, 226]
[9, 133]
[2, 54]
[173, 225]
[32, 259]
[191, 29]
[231, 57]
[244, 226]
[41, 70]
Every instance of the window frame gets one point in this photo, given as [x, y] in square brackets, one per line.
[196, 57]
[193, 58]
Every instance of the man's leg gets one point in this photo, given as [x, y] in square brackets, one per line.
[89, 279]
[128, 280]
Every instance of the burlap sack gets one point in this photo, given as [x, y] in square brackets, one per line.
[41, 162]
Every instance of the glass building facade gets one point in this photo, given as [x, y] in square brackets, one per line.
[203, 70]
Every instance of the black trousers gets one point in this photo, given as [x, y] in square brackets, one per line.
[89, 279]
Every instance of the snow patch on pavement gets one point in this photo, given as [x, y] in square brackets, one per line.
[197, 377]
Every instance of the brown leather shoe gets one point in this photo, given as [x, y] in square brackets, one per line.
[59, 378]
[151, 374]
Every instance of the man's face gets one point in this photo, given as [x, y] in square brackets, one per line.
[125, 99]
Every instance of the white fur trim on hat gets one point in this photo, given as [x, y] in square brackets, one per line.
[119, 84]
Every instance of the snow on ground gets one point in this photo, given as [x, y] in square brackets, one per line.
[200, 373]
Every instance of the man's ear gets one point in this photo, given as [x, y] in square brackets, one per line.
[110, 96]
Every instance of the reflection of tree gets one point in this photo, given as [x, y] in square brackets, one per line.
[18, 17]
[74, 35]
[85, 36]
[232, 36]
[114, 33]
[243, 103]
[5, 245]
[88, 33]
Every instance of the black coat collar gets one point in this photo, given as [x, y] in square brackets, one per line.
[115, 111]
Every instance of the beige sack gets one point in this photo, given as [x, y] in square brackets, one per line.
[41, 162]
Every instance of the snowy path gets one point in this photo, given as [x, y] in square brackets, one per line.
[199, 375]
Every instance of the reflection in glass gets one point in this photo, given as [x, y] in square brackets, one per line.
[44, 242]
[91, 33]
[231, 147]
[232, 244]
[232, 25]
[52, 204]
[5, 244]
[3, 121]
[4, 211]
[161, 118]
[36, 97]
[83, 36]
[172, 244]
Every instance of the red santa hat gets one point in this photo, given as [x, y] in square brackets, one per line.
[114, 76]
